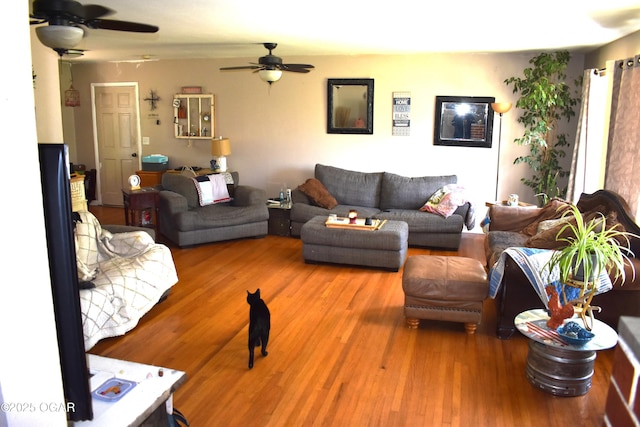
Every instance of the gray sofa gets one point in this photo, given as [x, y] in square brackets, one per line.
[186, 223]
[389, 196]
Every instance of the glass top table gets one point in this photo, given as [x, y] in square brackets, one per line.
[557, 367]
[533, 324]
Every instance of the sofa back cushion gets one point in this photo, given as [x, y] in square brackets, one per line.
[400, 192]
[185, 186]
[350, 187]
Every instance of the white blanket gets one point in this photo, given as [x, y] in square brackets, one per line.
[130, 271]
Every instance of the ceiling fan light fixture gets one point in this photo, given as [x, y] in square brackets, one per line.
[59, 36]
[270, 76]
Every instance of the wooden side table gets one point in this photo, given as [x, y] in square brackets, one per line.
[150, 178]
[137, 203]
[280, 220]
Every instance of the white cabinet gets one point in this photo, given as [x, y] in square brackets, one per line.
[194, 116]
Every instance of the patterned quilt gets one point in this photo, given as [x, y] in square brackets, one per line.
[130, 272]
[533, 263]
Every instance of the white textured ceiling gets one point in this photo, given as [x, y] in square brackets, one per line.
[236, 28]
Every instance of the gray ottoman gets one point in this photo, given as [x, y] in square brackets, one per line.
[444, 288]
[384, 248]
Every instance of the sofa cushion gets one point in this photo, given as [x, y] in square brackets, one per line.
[351, 187]
[497, 241]
[220, 215]
[550, 238]
[424, 222]
[552, 210]
[318, 193]
[400, 192]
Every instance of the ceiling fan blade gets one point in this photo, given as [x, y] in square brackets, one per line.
[94, 11]
[112, 24]
[296, 68]
[298, 65]
[62, 9]
[243, 67]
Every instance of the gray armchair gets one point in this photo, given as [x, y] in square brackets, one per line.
[186, 223]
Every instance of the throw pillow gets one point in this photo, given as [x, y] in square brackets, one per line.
[550, 223]
[552, 210]
[211, 189]
[318, 193]
[549, 238]
[445, 200]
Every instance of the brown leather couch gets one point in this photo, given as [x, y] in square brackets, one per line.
[516, 293]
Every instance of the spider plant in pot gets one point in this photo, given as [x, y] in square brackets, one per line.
[590, 249]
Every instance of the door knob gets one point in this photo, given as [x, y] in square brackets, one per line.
[134, 154]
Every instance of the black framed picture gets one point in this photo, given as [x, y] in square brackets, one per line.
[350, 106]
[463, 121]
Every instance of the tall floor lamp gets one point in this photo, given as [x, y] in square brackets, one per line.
[500, 108]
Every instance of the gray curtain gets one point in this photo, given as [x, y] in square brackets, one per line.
[623, 154]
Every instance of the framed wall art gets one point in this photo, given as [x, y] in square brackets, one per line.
[464, 121]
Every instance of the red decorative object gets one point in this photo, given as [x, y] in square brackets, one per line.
[558, 312]
[191, 89]
[353, 215]
[71, 97]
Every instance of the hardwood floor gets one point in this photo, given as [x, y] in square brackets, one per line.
[339, 354]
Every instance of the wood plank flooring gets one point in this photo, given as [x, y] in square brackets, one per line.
[340, 353]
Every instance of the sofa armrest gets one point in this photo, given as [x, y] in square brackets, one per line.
[246, 195]
[115, 228]
[511, 218]
[297, 196]
[172, 202]
[468, 214]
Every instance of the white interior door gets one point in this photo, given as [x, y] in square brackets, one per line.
[117, 138]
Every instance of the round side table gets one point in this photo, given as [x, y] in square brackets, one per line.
[555, 366]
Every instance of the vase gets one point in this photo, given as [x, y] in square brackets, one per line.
[579, 272]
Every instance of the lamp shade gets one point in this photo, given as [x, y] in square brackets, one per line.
[501, 107]
[60, 36]
[220, 147]
[270, 76]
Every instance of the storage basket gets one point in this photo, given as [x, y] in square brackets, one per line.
[78, 199]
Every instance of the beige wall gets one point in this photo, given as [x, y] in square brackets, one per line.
[47, 86]
[625, 47]
[29, 363]
[278, 133]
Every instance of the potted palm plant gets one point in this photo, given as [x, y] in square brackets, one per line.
[591, 248]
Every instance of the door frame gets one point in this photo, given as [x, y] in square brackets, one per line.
[96, 147]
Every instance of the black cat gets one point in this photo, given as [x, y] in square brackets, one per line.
[259, 324]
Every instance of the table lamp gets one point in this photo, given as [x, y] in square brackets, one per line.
[220, 148]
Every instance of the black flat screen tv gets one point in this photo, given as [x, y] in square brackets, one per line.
[56, 194]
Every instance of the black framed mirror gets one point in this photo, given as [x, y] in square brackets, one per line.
[350, 106]
[464, 121]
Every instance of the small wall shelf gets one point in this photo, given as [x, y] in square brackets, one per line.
[193, 116]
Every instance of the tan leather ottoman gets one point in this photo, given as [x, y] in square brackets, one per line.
[444, 288]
